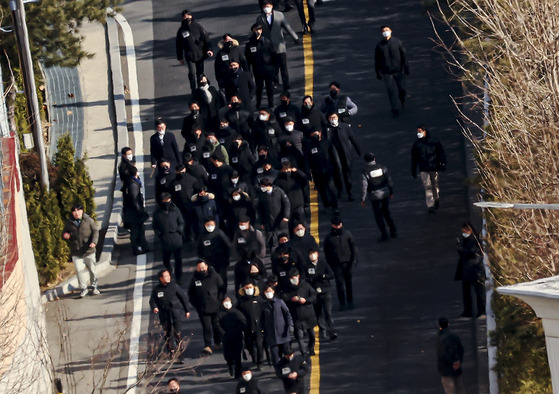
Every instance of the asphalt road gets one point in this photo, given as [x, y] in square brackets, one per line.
[386, 344]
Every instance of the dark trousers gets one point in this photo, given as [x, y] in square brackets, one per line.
[172, 330]
[276, 351]
[232, 350]
[300, 338]
[254, 344]
[192, 77]
[479, 291]
[325, 187]
[260, 80]
[343, 175]
[177, 255]
[301, 10]
[323, 310]
[281, 65]
[209, 328]
[138, 237]
[382, 214]
[344, 285]
[396, 88]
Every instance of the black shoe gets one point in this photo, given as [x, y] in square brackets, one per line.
[437, 204]
[230, 367]
[402, 96]
[305, 29]
[334, 336]
[384, 238]
[395, 113]
[431, 210]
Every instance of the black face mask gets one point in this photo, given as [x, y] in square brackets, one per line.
[194, 112]
[333, 93]
[165, 205]
[307, 106]
[336, 231]
[227, 45]
[315, 137]
[203, 198]
[285, 103]
[201, 274]
[234, 70]
[202, 84]
[262, 157]
[235, 106]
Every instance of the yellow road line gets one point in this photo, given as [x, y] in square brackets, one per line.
[309, 90]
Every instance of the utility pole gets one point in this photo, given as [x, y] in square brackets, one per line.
[26, 64]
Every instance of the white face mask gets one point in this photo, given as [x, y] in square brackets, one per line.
[247, 377]
[227, 305]
[334, 123]
[386, 34]
[129, 157]
[234, 180]
[289, 127]
[300, 233]
[249, 292]
[263, 117]
[264, 189]
[465, 235]
[242, 227]
[210, 228]
[419, 135]
[294, 281]
[236, 197]
[269, 294]
[161, 132]
[267, 10]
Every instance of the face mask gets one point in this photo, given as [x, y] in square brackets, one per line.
[194, 112]
[262, 157]
[334, 123]
[386, 34]
[419, 135]
[269, 294]
[161, 132]
[234, 180]
[307, 106]
[249, 291]
[234, 70]
[242, 227]
[227, 305]
[202, 273]
[166, 205]
[315, 137]
[267, 10]
[294, 281]
[210, 229]
[129, 157]
[289, 127]
[236, 197]
[300, 233]
[263, 117]
[247, 377]
[203, 84]
[466, 235]
[228, 44]
[235, 106]
[264, 189]
[212, 141]
[285, 103]
[333, 93]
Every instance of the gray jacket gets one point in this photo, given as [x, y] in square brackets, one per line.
[275, 32]
[376, 182]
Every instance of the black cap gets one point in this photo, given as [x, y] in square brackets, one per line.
[336, 220]
[287, 119]
[369, 157]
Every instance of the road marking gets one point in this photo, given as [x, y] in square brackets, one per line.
[141, 260]
[309, 90]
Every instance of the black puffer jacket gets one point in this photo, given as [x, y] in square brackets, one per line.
[168, 225]
[204, 292]
[192, 42]
[303, 314]
[427, 154]
[339, 247]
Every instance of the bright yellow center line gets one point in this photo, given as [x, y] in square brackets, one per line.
[309, 91]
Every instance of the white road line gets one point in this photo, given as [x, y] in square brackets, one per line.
[141, 261]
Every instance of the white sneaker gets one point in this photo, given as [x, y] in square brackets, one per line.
[83, 293]
[95, 291]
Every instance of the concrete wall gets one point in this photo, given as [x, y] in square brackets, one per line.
[25, 364]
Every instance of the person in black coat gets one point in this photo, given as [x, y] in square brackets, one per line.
[168, 301]
[194, 146]
[293, 182]
[427, 155]
[210, 101]
[126, 168]
[250, 304]
[266, 131]
[319, 274]
[193, 46]
[231, 325]
[260, 55]
[311, 118]
[337, 103]
[391, 63]
[294, 136]
[286, 109]
[164, 144]
[302, 240]
[450, 354]
[238, 117]
[247, 238]
[283, 259]
[323, 161]
[226, 135]
[195, 169]
[292, 369]
[248, 384]
[241, 158]
[344, 141]
[193, 121]
[168, 226]
[341, 255]
[239, 82]
[134, 213]
[229, 50]
[214, 247]
[164, 178]
[299, 297]
[470, 270]
[182, 189]
[273, 210]
[248, 267]
[277, 324]
[205, 296]
[204, 207]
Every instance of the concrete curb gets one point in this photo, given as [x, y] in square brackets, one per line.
[104, 265]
